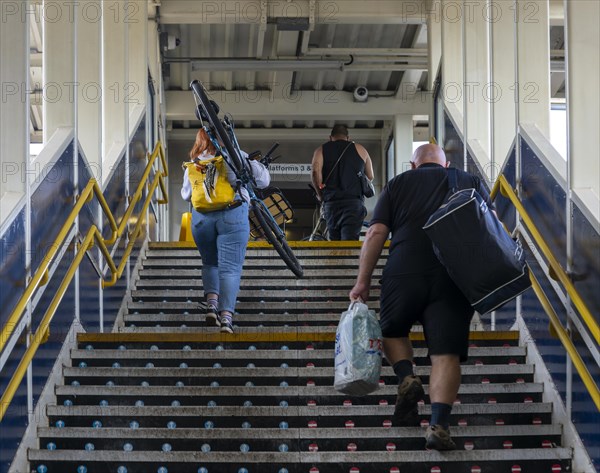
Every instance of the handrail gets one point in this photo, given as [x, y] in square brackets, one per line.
[93, 235]
[563, 336]
[505, 188]
[503, 185]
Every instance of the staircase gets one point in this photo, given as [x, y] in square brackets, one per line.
[166, 394]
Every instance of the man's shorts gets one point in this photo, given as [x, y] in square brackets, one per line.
[433, 300]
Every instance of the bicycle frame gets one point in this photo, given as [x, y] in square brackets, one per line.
[242, 172]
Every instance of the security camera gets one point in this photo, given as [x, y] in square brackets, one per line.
[361, 94]
[168, 41]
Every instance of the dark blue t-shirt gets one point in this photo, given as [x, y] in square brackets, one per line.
[404, 206]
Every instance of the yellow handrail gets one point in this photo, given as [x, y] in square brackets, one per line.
[92, 235]
[503, 186]
[563, 336]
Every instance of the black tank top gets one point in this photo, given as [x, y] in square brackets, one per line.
[343, 184]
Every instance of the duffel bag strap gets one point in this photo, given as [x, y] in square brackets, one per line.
[452, 180]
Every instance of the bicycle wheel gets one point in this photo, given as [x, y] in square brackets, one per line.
[217, 125]
[274, 235]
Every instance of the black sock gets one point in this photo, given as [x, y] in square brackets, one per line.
[440, 414]
[403, 368]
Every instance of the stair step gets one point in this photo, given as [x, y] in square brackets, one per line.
[297, 439]
[258, 372]
[273, 395]
[542, 460]
[247, 306]
[475, 353]
[276, 295]
[271, 274]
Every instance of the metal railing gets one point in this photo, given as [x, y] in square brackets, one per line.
[504, 187]
[92, 237]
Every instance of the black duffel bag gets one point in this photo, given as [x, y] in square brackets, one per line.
[482, 259]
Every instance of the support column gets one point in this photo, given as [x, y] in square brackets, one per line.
[434, 40]
[59, 87]
[534, 63]
[451, 15]
[114, 79]
[583, 100]
[403, 142]
[477, 81]
[14, 106]
[502, 84]
[90, 79]
[136, 90]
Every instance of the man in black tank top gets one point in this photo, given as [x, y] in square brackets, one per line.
[335, 174]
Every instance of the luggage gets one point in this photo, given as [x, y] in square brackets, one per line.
[358, 351]
[482, 259]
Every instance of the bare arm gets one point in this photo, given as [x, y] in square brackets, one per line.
[367, 159]
[317, 170]
[369, 255]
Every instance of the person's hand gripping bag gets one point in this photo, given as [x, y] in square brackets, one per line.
[358, 351]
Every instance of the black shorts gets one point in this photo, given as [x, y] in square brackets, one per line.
[435, 301]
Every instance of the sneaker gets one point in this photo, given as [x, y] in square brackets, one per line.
[212, 319]
[226, 326]
[410, 392]
[438, 438]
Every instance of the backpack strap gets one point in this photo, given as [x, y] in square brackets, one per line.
[452, 180]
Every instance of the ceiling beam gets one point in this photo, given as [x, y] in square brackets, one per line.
[304, 105]
[250, 11]
[283, 134]
[243, 64]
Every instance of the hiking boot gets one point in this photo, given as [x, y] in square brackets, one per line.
[410, 392]
[438, 438]
[226, 326]
[212, 319]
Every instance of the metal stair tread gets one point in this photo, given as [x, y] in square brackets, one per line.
[276, 391]
[249, 293]
[295, 433]
[290, 411]
[268, 273]
[238, 372]
[291, 354]
[312, 283]
[397, 456]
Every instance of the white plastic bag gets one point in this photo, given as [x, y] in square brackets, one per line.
[358, 351]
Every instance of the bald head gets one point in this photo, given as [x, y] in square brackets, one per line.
[429, 153]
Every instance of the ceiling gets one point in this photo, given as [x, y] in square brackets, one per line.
[294, 65]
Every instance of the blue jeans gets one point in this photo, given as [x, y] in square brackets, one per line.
[221, 238]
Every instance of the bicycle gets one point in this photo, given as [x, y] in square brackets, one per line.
[319, 231]
[222, 136]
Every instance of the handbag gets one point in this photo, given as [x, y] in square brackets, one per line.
[366, 185]
[482, 259]
[358, 351]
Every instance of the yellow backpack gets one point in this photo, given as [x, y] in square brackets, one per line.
[210, 188]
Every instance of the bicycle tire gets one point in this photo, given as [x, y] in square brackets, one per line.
[274, 235]
[198, 88]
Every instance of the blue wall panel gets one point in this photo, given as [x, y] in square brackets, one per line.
[505, 209]
[453, 145]
[115, 196]
[12, 266]
[14, 423]
[544, 200]
[89, 292]
[51, 204]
